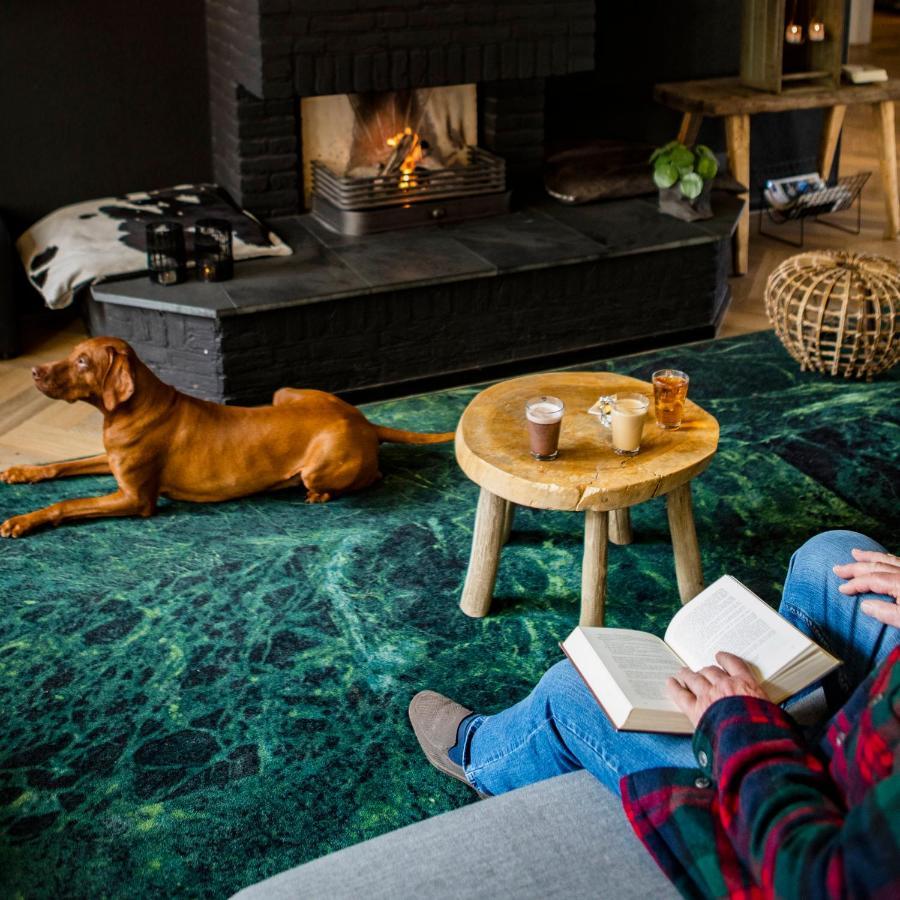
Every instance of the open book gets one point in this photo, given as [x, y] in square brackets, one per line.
[627, 670]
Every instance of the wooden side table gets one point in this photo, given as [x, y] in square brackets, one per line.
[588, 477]
[729, 99]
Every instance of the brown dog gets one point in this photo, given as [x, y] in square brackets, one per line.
[159, 441]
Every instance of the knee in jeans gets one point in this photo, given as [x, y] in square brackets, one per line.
[830, 548]
[557, 681]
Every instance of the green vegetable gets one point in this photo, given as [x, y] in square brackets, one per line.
[665, 173]
[674, 164]
[691, 185]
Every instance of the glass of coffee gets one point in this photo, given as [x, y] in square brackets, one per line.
[624, 415]
[669, 393]
[544, 416]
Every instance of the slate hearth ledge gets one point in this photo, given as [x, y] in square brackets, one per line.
[388, 314]
[328, 266]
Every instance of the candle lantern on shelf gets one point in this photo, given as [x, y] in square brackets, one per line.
[793, 31]
[789, 44]
[793, 34]
[212, 250]
[166, 258]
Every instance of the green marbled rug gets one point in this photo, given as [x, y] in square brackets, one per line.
[199, 700]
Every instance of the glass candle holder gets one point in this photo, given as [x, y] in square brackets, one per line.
[816, 30]
[212, 250]
[793, 34]
[166, 257]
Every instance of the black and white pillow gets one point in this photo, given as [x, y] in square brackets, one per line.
[80, 244]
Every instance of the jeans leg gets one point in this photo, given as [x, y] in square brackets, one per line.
[557, 728]
[812, 601]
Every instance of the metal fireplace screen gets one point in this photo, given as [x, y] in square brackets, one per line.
[484, 174]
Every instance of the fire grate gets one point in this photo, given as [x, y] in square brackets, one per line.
[362, 205]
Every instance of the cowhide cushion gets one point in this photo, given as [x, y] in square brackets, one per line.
[80, 244]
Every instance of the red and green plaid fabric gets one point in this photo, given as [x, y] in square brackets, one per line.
[766, 815]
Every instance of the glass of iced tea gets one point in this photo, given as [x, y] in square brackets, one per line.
[669, 393]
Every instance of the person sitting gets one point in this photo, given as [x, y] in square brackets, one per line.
[754, 804]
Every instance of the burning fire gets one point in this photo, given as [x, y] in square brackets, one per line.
[409, 143]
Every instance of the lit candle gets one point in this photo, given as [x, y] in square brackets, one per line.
[793, 34]
[817, 30]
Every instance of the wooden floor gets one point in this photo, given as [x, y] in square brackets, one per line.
[35, 429]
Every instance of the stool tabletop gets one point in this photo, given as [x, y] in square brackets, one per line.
[492, 446]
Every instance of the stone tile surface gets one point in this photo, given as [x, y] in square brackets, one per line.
[524, 240]
[326, 265]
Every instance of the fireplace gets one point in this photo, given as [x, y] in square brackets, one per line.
[272, 61]
[380, 161]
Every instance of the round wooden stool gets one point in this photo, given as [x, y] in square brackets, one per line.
[588, 476]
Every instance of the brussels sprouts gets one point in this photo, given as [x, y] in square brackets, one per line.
[691, 185]
[665, 173]
[674, 164]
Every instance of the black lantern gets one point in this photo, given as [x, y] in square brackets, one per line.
[166, 258]
[212, 250]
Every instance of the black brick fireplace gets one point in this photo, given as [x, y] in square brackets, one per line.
[381, 314]
[266, 55]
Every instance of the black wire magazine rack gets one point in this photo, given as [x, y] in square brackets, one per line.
[826, 201]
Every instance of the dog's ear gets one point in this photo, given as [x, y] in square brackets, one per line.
[118, 384]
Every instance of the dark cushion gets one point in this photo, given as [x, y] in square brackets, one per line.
[608, 170]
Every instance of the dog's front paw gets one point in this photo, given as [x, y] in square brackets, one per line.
[17, 526]
[23, 475]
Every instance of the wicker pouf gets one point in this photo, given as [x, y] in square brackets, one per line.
[837, 312]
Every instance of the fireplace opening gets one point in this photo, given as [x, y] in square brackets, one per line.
[395, 159]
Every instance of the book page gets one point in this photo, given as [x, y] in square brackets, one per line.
[639, 663]
[727, 616]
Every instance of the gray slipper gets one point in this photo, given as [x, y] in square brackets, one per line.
[435, 720]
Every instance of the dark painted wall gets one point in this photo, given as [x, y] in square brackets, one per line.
[106, 96]
[99, 97]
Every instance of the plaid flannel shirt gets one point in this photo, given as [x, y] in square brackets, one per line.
[765, 815]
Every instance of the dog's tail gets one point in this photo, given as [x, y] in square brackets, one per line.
[396, 436]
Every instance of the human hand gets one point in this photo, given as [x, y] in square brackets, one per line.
[874, 573]
[694, 692]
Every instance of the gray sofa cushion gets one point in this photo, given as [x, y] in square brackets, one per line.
[563, 838]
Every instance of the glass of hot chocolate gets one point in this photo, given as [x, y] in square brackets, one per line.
[544, 417]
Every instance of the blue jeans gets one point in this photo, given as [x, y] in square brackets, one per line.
[559, 727]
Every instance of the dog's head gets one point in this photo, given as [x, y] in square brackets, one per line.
[101, 371]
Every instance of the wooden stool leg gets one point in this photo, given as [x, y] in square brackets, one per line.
[620, 526]
[887, 147]
[688, 568]
[486, 543]
[690, 128]
[593, 567]
[737, 139]
[834, 121]
[508, 518]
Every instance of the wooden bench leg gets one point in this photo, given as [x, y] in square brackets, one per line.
[508, 519]
[834, 121]
[737, 139]
[593, 567]
[688, 569]
[487, 541]
[887, 155]
[690, 128]
[620, 526]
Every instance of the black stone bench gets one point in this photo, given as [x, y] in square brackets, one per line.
[390, 313]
